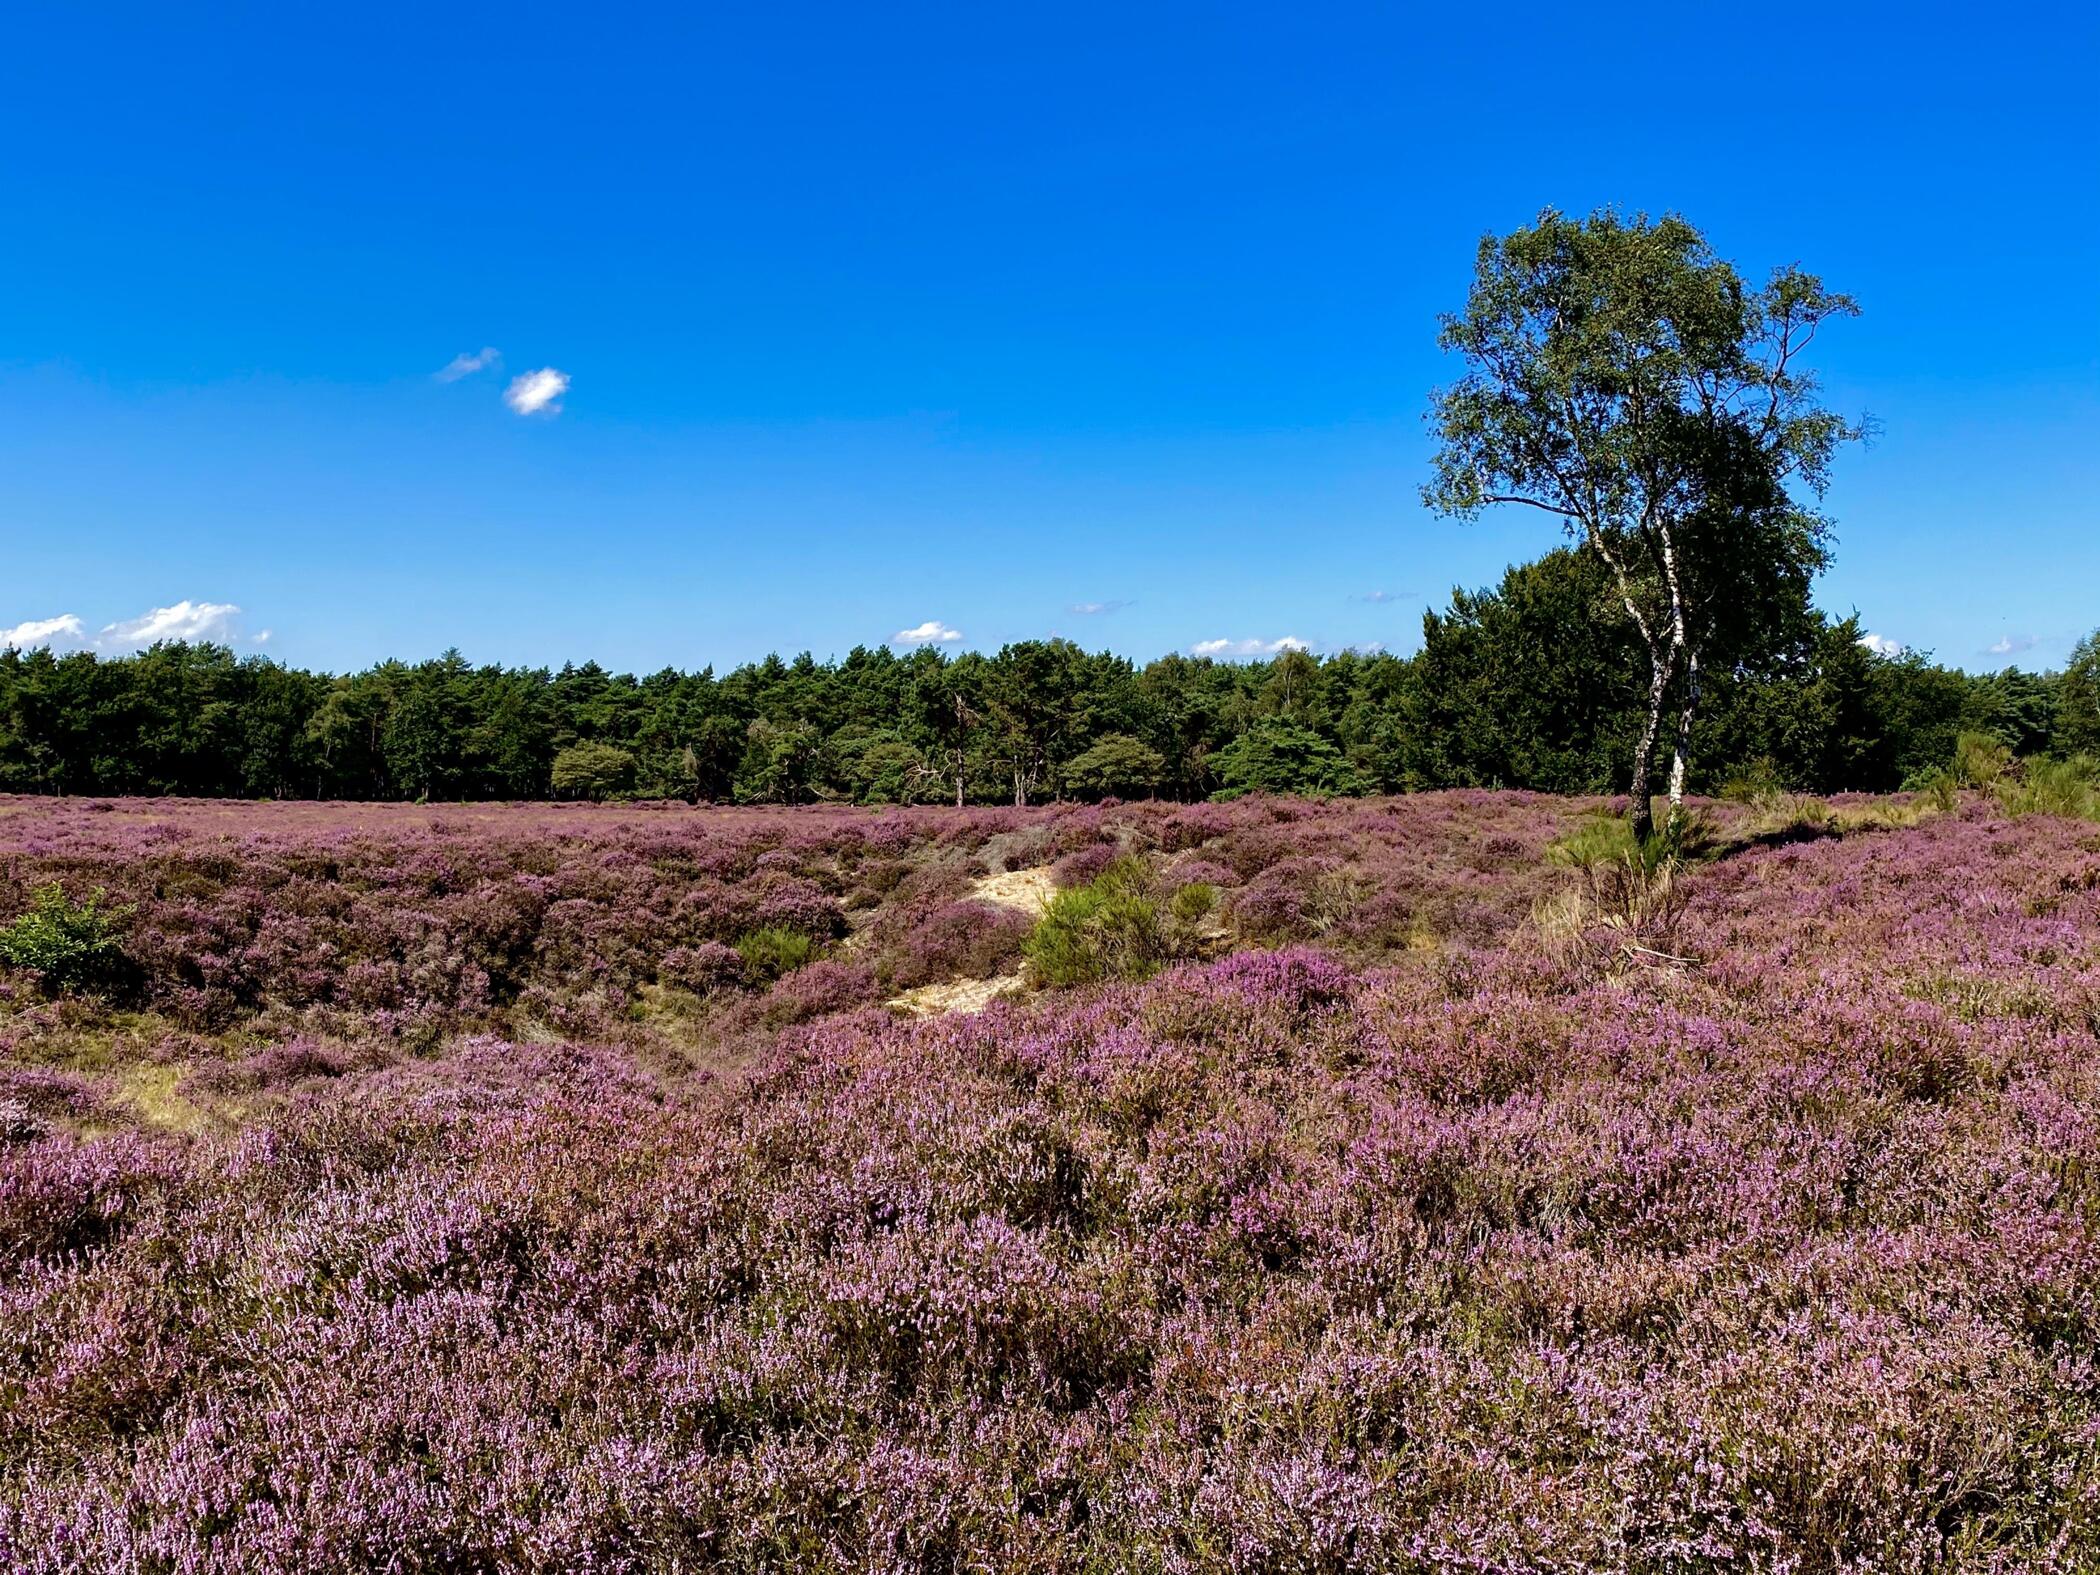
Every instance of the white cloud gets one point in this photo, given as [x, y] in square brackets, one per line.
[931, 632]
[1881, 644]
[264, 637]
[1385, 596]
[186, 620]
[1367, 648]
[1096, 609]
[532, 392]
[65, 629]
[2014, 645]
[467, 364]
[1239, 648]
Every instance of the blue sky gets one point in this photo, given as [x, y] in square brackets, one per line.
[1111, 321]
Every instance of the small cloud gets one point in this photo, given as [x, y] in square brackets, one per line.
[65, 629]
[264, 637]
[467, 365]
[1367, 648]
[530, 393]
[931, 632]
[1380, 598]
[1096, 609]
[186, 620]
[1881, 644]
[1235, 649]
[2014, 645]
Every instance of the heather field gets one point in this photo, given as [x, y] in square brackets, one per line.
[1426, 1188]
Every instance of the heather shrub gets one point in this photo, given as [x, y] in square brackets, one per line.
[956, 940]
[1088, 864]
[703, 968]
[1297, 899]
[1196, 872]
[817, 990]
[68, 945]
[1110, 928]
[770, 952]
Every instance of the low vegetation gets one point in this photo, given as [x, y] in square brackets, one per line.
[478, 1190]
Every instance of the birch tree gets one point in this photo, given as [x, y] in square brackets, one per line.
[1623, 379]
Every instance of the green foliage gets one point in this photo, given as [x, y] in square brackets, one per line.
[1981, 760]
[1193, 903]
[592, 771]
[1281, 757]
[2070, 788]
[2078, 700]
[1118, 766]
[1622, 378]
[1531, 683]
[1937, 789]
[70, 946]
[775, 950]
[1109, 928]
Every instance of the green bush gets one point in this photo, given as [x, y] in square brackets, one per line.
[1193, 903]
[592, 771]
[1279, 757]
[2054, 787]
[68, 945]
[1981, 760]
[775, 950]
[1110, 928]
[1118, 764]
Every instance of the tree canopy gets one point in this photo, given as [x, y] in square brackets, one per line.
[1623, 379]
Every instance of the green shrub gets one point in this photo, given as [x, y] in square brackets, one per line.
[1193, 903]
[1981, 760]
[69, 946]
[1109, 928]
[592, 771]
[1605, 838]
[1753, 782]
[1117, 764]
[1274, 756]
[2054, 787]
[775, 950]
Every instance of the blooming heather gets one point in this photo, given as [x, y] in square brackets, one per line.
[1452, 1240]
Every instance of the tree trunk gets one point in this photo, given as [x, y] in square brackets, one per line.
[1644, 752]
[1684, 733]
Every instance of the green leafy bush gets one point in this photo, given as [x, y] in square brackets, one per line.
[592, 771]
[1110, 928]
[1118, 765]
[70, 946]
[1280, 757]
[775, 950]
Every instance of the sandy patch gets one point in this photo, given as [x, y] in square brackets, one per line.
[954, 995]
[1027, 890]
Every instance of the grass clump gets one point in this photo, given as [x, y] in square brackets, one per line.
[775, 950]
[1110, 928]
[2070, 788]
[70, 946]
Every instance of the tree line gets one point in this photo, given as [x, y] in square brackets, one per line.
[1532, 683]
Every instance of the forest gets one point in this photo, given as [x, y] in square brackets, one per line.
[1532, 683]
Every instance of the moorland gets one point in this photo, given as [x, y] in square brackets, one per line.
[1423, 1183]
